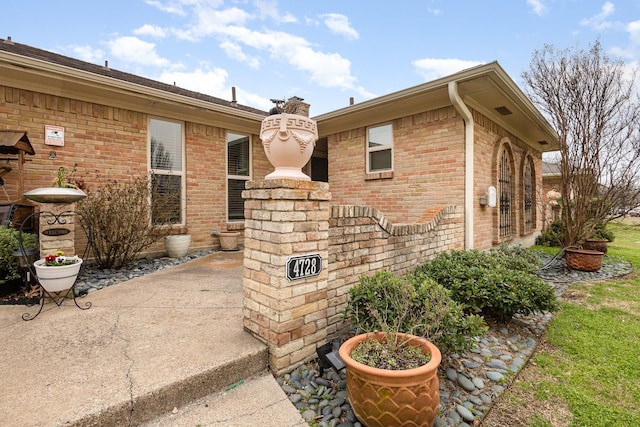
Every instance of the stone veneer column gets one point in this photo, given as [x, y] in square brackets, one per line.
[285, 218]
[49, 244]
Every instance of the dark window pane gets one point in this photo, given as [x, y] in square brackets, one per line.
[235, 200]
[237, 154]
[380, 160]
[165, 199]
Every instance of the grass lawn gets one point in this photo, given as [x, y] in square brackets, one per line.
[587, 370]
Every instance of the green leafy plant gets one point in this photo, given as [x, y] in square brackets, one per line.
[490, 283]
[9, 242]
[126, 217]
[553, 236]
[412, 304]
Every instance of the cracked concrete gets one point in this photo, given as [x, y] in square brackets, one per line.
[145, 347]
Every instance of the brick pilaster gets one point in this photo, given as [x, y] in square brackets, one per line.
[283, 219]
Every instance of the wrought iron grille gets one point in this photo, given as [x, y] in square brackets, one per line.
[505, 181]
[528, 196]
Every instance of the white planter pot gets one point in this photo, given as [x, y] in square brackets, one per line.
[59, 278]
[177, 246]
[288, 141]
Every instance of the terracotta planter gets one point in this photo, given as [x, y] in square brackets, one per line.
[600, 245]
[58, 278]
[229, 240]
[583, 259]
[288, 141]
[386, 398]
[177, 246]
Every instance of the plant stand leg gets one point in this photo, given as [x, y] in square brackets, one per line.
[58, 300]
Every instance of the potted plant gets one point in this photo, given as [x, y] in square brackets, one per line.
[392, 364]
[583, 259]
[57, 272]
[599, 240]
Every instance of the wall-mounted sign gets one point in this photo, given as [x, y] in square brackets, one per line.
[54, 135]
[300, 267]
[56, 231]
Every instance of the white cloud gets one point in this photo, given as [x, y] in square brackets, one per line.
[134, 50]
[599, 21]
[269, 9]
[538, 7]
[151, 31]
[171, 7]
[234, 51]
[435, 12]
[339, 24]
[87, 53]
[432, 68]
[210, 82]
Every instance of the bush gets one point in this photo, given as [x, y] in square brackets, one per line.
[119, 214]
[411, 304]
[10, 242]
[490, 283]
[601, 232]
[554, 236]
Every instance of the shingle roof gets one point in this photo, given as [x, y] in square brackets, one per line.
[31, 52]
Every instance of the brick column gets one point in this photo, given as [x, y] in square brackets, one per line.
[52, 236]
[283, 219]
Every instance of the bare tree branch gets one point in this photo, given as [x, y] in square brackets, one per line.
[593, 106]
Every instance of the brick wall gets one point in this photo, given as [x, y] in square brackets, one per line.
[106, 142]
[287, 218]
[428, 166]
[428, 170]
[363, 241]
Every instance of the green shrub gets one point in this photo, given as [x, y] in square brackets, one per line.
[515, 257]
[602, 232]
[9, 242]
[490, 283]
[554, 236]
[412, 304]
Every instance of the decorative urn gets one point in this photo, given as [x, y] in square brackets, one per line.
[288, 140]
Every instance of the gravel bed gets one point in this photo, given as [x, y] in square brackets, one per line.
[469, 382]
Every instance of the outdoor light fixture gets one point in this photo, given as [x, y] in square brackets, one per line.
[329, 358]
[52, 155]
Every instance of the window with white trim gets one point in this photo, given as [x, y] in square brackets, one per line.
[380, 148]
[166, 160]
[238, 173]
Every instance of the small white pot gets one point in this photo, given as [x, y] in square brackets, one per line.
[59, 278]
[177, 246]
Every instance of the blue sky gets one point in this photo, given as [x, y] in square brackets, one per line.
[323, 51]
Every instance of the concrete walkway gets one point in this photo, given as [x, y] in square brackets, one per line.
[162, 349]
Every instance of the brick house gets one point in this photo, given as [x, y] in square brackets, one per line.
[441, 143]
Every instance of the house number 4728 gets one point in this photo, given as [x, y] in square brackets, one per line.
[300, 267]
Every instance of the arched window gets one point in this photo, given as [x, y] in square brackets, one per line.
[505, 190]
[528, 195]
